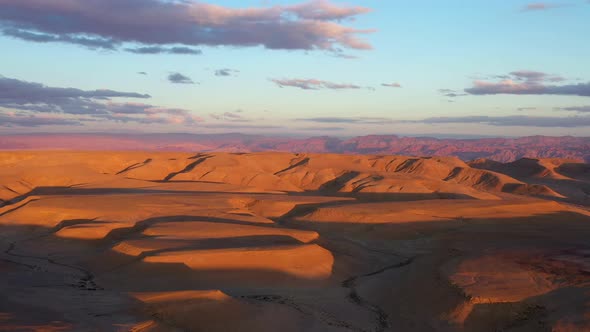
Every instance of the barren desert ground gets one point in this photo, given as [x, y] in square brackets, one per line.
[163, 241]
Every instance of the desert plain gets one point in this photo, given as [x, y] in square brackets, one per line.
[175, 241]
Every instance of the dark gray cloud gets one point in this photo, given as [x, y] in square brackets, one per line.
[450, 93]
[31, 99]
[391, 85]
[128, 108]
[581, 109]
[508, 121]
[234, 116]
[314, 84]
[22, 95]
[164, 50]
[142, 73]
[526, 108]
[119, 24]
[183, 50]
[226, 72]
[445, 90]
[19, 120]
[40, 37]
[178, 78]
[356, 120]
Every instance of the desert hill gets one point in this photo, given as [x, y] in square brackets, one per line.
[179, 241]
[28, 172]
[569, 178]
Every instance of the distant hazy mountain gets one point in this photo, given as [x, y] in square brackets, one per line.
[498, 149]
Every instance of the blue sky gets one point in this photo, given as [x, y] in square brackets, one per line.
[424, 46]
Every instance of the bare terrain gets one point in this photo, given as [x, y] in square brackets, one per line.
[174, 241]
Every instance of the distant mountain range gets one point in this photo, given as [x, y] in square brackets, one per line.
[498, 149]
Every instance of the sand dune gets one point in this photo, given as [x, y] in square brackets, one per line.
[145, 241]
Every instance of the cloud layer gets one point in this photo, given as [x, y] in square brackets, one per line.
[516, 88]
[525, 82]
[234, 116]
[34, 104]
[314, 84]
[356, 120]
[580, 109]
[21, 120]
[512, 121]
[164, 50]
[162, 26]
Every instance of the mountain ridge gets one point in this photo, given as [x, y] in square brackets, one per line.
[496, 149]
